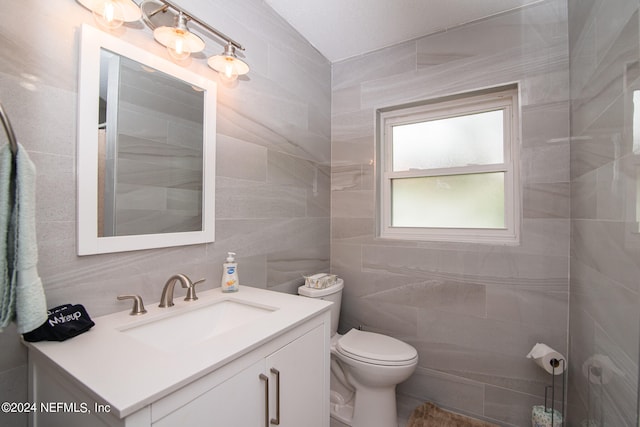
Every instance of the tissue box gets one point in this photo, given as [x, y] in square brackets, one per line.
[320, 281]
[540, 417]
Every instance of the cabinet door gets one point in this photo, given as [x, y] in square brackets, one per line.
[303, 391]
[238, 402]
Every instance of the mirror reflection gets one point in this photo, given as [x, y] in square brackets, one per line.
[150, 150]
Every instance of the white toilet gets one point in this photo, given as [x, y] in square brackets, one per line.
[365, 369]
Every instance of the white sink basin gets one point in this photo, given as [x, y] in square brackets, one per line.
[189, 327]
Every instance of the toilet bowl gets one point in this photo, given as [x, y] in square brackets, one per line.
[365, 369]
[374, 364]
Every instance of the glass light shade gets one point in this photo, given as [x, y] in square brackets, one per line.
[179, 42]
[111, 14]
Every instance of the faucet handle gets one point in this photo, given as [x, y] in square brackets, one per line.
[138, 306]
[191, 291]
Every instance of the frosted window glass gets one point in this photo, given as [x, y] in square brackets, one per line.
[454, 201]
[456, 141]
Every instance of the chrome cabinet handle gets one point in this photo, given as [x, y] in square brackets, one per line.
[276, 420]
[265, 378]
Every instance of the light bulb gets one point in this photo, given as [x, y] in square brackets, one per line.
[179, 46]
[230, 74]
[177, 49]
[108, 14]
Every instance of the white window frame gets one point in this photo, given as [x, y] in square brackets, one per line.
[504, 98]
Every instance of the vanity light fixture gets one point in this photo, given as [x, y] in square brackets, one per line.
[169, 25]
[110, 14]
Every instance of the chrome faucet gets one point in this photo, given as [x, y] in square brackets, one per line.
[166, 300]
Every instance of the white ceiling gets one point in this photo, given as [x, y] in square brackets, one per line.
[340, 29]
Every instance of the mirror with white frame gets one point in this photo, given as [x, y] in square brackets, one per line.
[146, 149]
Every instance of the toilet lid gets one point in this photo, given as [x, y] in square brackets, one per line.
[377, 348]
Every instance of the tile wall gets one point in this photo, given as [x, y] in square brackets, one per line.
[273, 161]
[605, 252]
[472, 311]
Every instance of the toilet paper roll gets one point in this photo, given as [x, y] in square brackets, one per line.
[545, 356]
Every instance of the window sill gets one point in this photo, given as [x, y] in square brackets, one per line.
[486, 237]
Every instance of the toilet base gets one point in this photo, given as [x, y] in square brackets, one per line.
[377, 408]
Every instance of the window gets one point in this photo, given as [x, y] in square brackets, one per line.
[447, 169]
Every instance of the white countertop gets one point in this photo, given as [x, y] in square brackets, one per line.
[102, 357]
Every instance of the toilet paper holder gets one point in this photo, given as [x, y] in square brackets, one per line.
[555, 364]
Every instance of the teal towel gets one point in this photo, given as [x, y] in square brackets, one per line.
[7, 295]
[21, 290]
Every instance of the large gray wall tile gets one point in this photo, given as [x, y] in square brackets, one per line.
[508, 407]
[448, 391]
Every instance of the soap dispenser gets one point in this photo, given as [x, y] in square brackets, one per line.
[230, 274]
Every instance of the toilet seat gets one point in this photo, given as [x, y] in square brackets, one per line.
[376, 349]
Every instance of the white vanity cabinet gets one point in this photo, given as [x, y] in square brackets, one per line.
[287, 382]
[272, 372]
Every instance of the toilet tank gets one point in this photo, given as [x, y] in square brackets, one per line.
[332, 293]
